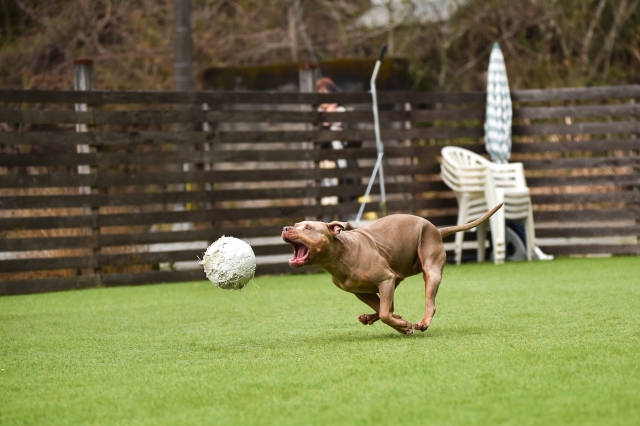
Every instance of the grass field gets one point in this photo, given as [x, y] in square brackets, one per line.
[524, 344]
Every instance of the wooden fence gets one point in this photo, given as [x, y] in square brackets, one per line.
[140, 195]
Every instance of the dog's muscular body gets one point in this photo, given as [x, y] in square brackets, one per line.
[370, 262]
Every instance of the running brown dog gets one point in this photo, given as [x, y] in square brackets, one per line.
[373, 260]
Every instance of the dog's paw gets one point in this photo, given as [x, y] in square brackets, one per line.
[405, 328]
[420, 326]
[408, 330]
[368, 319]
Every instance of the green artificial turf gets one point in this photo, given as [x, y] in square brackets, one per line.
[524, 343]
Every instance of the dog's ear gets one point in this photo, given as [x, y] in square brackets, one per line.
[336, 227]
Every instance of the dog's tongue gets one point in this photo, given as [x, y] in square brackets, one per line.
[301, 252]
[300, 255]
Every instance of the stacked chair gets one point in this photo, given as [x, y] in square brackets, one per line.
[479, 185]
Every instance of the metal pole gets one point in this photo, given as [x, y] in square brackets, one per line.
[379, 145]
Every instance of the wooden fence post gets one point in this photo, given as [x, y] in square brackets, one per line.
[83, 81]
[183, 81]
[636, 171]
[307, 84]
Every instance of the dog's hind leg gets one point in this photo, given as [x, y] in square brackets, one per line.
[432, 258]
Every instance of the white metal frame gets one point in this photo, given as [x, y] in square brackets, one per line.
[379, 146]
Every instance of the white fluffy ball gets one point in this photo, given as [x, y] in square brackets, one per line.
[229, 263]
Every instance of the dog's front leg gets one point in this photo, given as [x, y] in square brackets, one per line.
[386, 290]
[373, 301]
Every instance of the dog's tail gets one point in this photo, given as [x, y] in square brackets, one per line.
[453, 229]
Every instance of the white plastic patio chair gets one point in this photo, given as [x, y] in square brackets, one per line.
[467, 177]
[478, 185]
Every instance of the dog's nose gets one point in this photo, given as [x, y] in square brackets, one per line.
[286, 228]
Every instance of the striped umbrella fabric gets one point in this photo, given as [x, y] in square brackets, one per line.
[497, 125]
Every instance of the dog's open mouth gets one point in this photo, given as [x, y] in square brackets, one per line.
[300, 254]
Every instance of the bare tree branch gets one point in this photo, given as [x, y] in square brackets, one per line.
[622, 14]
[586, 44]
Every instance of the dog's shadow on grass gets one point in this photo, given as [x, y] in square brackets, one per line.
[384, 335]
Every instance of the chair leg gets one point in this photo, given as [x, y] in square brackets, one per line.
[531, 235]
[498, 241]
[482, 238]
[497, 222]
[459, 238]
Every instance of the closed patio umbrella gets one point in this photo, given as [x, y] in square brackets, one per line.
[497, 125]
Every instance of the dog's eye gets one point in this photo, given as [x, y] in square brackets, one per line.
[308, 228]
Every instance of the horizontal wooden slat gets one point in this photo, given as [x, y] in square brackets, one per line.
[130, 219]
[593, 249]
[68, 159]
[154, 98]
[613, 180]
[328, 136]
[198, 157]
[179, 255]
[58, 180]
[62, 180]
[582, 163]
[30, 286]
[95, 200]
[45, 243]
[235, 97]
[181, 236]
[587, 215]
[47, 222]
[576, 93]
[148, 257]
[577, 128]
[590, 231]
[71, 262]
[106, 159]
[102, 138]
[118, 138]
[576, 146]
[197, 116]
[116, 179]
[576, 111]
[120, 260]
[592, 197]
[156, 178]
[249, 213]
[204, 216]
[157, 138]
[132, 97]
[345, 190]
[142, 198]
